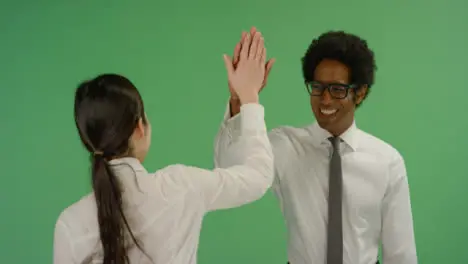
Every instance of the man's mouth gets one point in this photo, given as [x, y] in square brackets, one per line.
[327, 111]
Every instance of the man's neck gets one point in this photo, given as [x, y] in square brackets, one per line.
[340, 130]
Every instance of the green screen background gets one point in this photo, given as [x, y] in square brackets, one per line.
[173, 53]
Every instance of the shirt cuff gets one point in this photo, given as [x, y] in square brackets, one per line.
[232, 122]
[252, 117]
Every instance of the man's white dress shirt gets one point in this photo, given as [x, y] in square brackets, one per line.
[165, 209]
[376, 200]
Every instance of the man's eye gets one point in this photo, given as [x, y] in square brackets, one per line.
[338, 88]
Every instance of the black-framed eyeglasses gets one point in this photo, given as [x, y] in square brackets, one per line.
[336, 90]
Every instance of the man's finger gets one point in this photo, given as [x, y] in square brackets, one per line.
[263, 56]
[268, 67]
[235, 56]
[228, 64]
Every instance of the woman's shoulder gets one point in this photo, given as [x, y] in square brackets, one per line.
[76, 218]
[174, 175]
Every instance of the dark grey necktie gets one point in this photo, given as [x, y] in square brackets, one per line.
[335, 226]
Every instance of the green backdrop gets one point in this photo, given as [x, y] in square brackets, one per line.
[173, 53]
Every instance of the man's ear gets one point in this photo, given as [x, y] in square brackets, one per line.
[360, 94]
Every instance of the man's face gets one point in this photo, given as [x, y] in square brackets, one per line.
[334, 111]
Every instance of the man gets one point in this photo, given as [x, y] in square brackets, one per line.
[342, 191]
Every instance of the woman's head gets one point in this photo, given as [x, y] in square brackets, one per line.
[111, 122]
[110, 117]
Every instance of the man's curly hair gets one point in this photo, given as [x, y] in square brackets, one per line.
[346, 48]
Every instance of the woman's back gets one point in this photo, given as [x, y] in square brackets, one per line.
[165, 209]
[164, 214]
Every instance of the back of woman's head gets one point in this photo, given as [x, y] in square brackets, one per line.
[111, 122]
[108, 108]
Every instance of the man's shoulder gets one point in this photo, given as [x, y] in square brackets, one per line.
[373, 144]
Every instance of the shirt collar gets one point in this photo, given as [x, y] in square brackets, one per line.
[321, 135]
[120, 164]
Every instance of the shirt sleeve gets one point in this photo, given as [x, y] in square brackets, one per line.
[228, 149]
[243, 181]
[398, 240]
[63, 253]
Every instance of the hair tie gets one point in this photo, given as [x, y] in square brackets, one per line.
[98, 153]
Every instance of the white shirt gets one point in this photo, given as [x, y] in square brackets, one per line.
[165, 209]
[376, 200]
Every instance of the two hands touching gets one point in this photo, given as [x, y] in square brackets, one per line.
[248, 70]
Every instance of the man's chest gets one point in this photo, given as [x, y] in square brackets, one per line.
[304, 185]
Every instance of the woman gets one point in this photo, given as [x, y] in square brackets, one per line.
[133, 216]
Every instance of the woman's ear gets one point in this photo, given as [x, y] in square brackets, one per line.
[139, 129]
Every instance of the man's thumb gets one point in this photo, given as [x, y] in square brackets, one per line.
[228, 64]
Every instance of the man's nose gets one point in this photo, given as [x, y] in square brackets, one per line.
[326, 98]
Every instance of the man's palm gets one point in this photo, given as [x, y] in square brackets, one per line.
[235, 61]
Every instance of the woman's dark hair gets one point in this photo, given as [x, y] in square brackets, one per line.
[346, 48]
[107, 110]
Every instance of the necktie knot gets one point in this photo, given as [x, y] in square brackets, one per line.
[335, 141]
